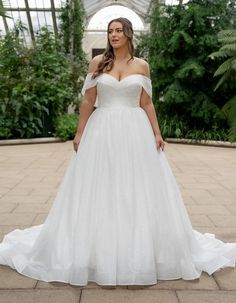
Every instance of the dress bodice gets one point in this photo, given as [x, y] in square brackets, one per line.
[112, 92]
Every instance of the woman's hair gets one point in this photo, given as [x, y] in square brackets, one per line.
[107, 61]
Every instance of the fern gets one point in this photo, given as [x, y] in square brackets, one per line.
[230, 47]
[227, 68]
[234, 64]
[219, 54]
[227, 36]
[222, 80]
[224, 67]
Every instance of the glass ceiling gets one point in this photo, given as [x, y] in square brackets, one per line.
[35, 14]
[100, 19]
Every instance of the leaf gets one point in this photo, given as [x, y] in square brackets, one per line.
[227, 36]
[220, 54]
[222, 80]
[224, 67]
[230, 47]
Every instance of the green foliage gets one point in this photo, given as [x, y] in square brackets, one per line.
[228, 71]
[72, 27]
[3, 5]
[172, 127]
[181, 70]
[229, 109]
[228, 68]
[65, 27]
[71, 33]
[66, 126]
[201, 134]
[35, 85]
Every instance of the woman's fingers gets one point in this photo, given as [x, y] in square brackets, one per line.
[76, 144]
[161, 144]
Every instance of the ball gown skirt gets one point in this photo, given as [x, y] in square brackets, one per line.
[118, 217]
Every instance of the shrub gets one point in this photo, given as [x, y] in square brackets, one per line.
[66, 126]
[35, 85]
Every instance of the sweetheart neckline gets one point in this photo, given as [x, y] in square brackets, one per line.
[123, 78]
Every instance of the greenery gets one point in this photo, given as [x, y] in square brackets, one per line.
[71, 33]
[228, 71]
[3, 4]
[66, 126]
[35, 85]
[173, 127]
[181, 69]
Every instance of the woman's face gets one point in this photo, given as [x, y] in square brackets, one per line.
[116, 35]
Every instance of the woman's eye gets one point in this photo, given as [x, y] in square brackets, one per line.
[118, 31]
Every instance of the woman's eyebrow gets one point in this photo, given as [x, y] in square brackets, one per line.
[115, 28]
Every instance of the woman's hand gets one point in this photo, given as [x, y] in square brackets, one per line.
[76, 141]
[159, 141]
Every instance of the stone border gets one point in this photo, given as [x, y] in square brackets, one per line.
[30, 141]
[201, 142]
[168, 140]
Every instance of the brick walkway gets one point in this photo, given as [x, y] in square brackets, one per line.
[30, 176]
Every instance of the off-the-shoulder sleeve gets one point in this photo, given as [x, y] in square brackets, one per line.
[147, 85]
[88, 83]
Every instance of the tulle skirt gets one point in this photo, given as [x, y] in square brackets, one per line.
[118, 217]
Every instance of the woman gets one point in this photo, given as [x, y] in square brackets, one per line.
[118, 217]
[119, 62]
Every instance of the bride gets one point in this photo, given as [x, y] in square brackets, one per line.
[118, 217]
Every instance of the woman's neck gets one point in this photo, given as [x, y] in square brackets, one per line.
[121, 54]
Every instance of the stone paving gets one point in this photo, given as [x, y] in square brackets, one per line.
[30, 176]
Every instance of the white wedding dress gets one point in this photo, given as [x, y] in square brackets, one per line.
[118, 217]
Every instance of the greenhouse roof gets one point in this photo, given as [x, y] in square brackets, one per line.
[38, 13]
[141, 7]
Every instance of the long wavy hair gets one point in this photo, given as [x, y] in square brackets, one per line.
[107, 61]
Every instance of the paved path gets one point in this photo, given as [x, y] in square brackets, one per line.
[30, 176]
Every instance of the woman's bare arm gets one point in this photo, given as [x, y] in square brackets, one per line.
[87, 104]
[147, 104]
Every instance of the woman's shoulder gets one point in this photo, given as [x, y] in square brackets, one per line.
[141, 61]
[93, 64]
[143, 65]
